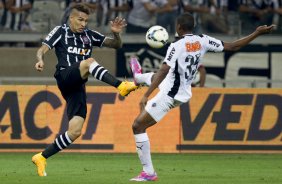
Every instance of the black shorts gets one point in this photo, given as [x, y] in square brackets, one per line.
[72, 88]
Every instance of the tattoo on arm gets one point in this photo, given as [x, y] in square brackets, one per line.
[114, 42]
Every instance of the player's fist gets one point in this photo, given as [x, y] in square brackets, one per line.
[39, 66]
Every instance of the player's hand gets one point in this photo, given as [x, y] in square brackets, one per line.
[117, 25]
[265, 29]
[143, 103]
[39, 66]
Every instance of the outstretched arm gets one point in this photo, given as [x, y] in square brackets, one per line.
[158, 78]
[236, 45]
[116, 27]
[39, 55]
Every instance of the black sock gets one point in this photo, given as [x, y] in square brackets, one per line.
[102, 74]
[109, 79]
[60, 143]
[50, 150]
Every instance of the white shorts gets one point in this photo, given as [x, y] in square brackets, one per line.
[159, 106]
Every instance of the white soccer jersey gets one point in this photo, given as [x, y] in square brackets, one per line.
[183, 57]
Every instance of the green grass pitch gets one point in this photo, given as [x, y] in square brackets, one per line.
[81, 168]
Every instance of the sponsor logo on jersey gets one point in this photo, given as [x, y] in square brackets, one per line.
[171, 54]
[79, 51]
[214, 43]
[52, 33]
[193, 47]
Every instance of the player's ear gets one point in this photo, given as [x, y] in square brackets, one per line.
[179, 30]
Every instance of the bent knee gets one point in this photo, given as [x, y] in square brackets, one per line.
[136, 127]
[74, 134]
[85, 64]
[90, 60]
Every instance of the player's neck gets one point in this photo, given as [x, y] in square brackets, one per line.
[185, 33]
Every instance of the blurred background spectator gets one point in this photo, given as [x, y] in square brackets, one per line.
[109, 9]
[15, 15]
[145, 13]
[229, 10]
[192, 6]
[212, 18]
[166, 13]
[227, 17]
[258, 12]
[208, 14]
[140, 16]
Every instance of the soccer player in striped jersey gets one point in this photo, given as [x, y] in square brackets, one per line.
[174, 80]
[73, 46]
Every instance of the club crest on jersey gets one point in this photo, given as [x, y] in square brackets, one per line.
[85, 40]
[79, 51]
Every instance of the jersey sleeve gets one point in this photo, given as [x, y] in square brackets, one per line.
[171, 55]
[53, 37]
[96, 38]
[213, 44]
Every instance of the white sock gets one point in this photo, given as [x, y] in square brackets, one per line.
[97, 71]
[145, 78]
[144, 153]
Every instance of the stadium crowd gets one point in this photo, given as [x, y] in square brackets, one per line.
[212, 16]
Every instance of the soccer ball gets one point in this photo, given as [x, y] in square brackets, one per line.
[156, 37]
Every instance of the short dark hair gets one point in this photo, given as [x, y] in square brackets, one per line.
[186, 21]
[82, 7]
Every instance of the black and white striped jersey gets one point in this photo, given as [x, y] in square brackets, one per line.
[184, 57]
[72, 47]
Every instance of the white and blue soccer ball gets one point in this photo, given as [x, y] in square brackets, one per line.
[157, 36]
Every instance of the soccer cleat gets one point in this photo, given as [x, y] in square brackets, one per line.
[145, 177]
[135, 68]
[126, 87]
[40, 163]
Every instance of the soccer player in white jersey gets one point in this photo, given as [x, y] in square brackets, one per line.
[174, 80]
